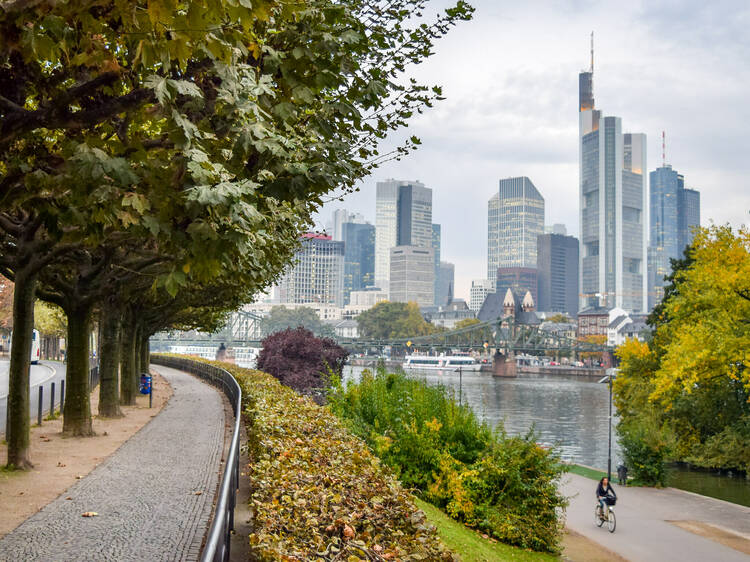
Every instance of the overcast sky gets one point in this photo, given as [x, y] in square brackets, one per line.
[510, 77]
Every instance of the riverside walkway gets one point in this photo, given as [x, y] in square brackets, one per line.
[662, 524]
[153, 496]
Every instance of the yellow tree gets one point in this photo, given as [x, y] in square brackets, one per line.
[707, 336]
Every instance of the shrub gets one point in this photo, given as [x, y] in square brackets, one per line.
[299, 359]
[504, 486]
[645, 451]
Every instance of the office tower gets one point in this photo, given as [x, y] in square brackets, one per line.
[674, 211]
[557, 228]
[403, 217]
[317, 273]
[412, 275]
[557, 273]
[359, 257]
[334, 227]
[444, 283]
[515, 218]
[480, 288]
[518, 279]
[613, 209]
[436, 231]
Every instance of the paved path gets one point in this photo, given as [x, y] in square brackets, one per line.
[44, 373]
[643, 530]
[144, 493]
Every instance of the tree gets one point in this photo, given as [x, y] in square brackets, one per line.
[196, 126]
[389, 320]
[280, 318]
[595, 339]
[559, 318]
[299, 359]
[695, 384]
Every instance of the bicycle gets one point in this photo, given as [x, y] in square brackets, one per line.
[599, 518]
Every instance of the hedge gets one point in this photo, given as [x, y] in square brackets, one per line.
[317, 492]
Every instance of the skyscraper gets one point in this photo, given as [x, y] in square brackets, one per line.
[557, 280]
[444, 283]
[480, 288]
[359, 257]
[674, 211]
[515, 218]
[334, 227]
[412, 275]
[613, 210]
[317, 276]
[436, 230]
[518, 279]
[403, 217]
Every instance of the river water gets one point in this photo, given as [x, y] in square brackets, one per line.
[568, 411]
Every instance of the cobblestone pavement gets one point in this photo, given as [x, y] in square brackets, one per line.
[145, 494]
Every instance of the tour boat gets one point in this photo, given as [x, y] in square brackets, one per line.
[441, 362]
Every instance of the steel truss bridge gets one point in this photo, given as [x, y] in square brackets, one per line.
[504, 335]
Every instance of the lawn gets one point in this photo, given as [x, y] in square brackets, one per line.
[470, 545]
[586, 472]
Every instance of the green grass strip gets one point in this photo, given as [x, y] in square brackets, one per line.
[587, 472]
[470, 545]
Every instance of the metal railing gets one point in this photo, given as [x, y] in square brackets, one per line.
[219, 534]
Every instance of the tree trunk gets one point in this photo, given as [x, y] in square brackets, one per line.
[17, 420]
[145, 353]
[109, 362]
[128, 370]
[77, 409]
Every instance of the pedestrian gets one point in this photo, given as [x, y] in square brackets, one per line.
[622, 474]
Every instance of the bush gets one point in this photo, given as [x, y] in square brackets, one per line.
[645, 451]
[299, 359]
[504, 486]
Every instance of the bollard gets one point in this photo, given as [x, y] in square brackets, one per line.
[52, 401]
[151, 397]
[41, 397]
[62, 395]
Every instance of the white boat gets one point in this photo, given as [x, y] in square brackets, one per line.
[441, 362]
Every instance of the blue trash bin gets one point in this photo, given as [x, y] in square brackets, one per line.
[145, 386]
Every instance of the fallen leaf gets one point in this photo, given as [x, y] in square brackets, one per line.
[78, 477]
[60, 464]
[68, 498]
[198, 493]
[89, 514]
[348, 531]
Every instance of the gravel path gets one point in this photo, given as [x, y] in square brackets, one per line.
[144, 494]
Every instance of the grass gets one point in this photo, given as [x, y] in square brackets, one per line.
[470, 545]
[587, 472]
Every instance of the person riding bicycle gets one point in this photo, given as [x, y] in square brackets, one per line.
[604, 491]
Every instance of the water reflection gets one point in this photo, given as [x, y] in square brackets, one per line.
[568, 411]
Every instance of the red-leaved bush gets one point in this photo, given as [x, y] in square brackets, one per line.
[299, 359]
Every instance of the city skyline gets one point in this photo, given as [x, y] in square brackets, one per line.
[522, 118]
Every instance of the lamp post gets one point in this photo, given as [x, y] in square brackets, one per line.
[611, 374]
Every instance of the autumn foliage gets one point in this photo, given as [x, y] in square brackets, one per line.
[317, 492]
[299, 359]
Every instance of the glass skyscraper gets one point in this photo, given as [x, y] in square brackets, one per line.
[515, 217]
[403, 217]
[674, 211]
[613, 211]
[317, 273]
[359, 257]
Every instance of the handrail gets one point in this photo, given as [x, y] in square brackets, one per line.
[218, 540]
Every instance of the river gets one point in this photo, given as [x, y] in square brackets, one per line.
[568, 411]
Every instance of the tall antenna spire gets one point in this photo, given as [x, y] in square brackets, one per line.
[664, 149]
[592, 52]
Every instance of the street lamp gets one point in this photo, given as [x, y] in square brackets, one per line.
[611, 374]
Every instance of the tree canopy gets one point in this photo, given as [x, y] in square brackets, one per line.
[387, 320]
[693, 380]
[281, 318]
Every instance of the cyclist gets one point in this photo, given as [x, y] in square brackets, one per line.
[603, 491]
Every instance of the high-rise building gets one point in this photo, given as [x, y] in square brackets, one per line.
[674, 211]
[317, 275]
[436, 231]
[403, 217]
[557, 277]
[613, 208]
[444, 283]
[480, 288]
[412, 275]
[334, 227]
[557, 228]
[519, 279]
[359, 257]
[515, 218]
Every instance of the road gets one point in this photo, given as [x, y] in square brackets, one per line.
[648, 519]
[45, 373]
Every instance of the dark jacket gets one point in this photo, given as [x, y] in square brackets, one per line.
[601, 492]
